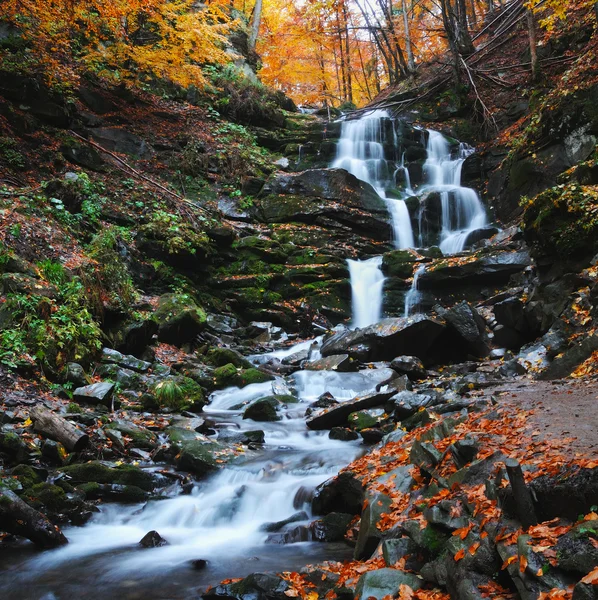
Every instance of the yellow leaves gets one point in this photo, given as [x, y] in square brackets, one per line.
[508, 562]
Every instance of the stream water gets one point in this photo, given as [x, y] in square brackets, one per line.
[221, 521]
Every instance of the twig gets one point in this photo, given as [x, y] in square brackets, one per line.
[475, 89]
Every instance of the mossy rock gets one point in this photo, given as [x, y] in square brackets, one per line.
[26, 476]
[399, 263]
[249, 376]
[219, 357]
[47, 495]
[141, 437]
[364, 419]
[264, 409]
[200, 458]
[225, 376]
[268, 250]
[179, 319]
[96, 472]
[176, 393]
[563, 221]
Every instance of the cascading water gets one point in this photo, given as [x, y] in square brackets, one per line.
[222, 520]
[360, 151]
[367, 283]
[461, 208]
[413, 296]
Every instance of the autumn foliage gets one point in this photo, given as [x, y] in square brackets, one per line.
[121, 39]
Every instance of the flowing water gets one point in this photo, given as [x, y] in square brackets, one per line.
[361, 151]
[220, 521]
[413, 296]
[367, 283]
[462, 210]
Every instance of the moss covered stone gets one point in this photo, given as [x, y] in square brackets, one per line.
[399, 263]
[96, 472]
[264, 409]
[26, 476]
[50, 496]
[218, 357]
[179, 319]
[225, 375]
[563, 221]
[249, 376]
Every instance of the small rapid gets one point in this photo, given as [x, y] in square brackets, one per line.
[367, 286]
[223, 518]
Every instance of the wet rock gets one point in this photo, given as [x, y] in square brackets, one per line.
[564, 365]
[384, 340]
[97, 393]
[344, 434]
[464, 451]
[241, 437]
[430, 540]
[264, 409]
[257, 586]
[424, 455]
[441, 515]
[337, 362]
[466, 330]
[369, 535]
[200, 458]
[405, 404]
[122, 141]
[13, 447]
[199, 564]
[365, 419]
[585, 591]
[337, 415]
[96, 472]
[484, 269]
[567, 495]
[343, 493]
[410, 366]
[134, 338]
[54, 452]
[110, 356]
[395, 549]
[332, 527]
[278, 525]
[330, 196]
[477, 472]
[384, 582]
[372, 435]
[152, 539]
[140, 436]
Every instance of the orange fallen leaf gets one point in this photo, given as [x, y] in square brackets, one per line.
[591, 577]
[460, 555]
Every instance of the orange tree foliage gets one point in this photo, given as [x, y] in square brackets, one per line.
[553, 11]
[122, 39]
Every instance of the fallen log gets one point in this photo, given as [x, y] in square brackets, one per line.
[59, 429]
[18, 518]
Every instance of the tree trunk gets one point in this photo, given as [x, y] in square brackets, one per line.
[56, 428]
[533, 46]
[474, 17]
[254, 27]
[490, 6]
[347, 54]
[408, 46]
[524, 505]
[18, 518]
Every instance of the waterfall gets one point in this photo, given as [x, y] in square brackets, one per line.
[367, 283]
[461, 208]
[413, 296]
[360, 151]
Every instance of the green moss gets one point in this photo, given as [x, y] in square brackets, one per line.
[218, 357]
[95, 472]
[399, 263]
[48, 495]
[563, 221]
[225, 375]
[433, 540]
[249, 376]
[26, 475]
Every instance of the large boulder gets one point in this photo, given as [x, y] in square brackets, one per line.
[384, 583]
[466, 330]
[413, 336]
[492, 268]
[332, 197]
[179, 319]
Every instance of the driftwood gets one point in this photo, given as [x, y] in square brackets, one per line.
[524, 504]
[56, 428]
[18, 518]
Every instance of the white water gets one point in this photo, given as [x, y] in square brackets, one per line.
[360, 151]
[367, 283]
[222, 519]
[413, 296]
[462, 210]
